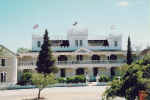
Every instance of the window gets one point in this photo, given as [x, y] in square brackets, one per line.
[95, 57]
[38, 44]
[3, 77]
[113, 57]
[81, 43]
[62, 58]
[80, 71]
[79, 57]
[3, 63]
[76, 43]
[116, 43]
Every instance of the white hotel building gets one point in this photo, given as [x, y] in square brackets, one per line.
[79, 54]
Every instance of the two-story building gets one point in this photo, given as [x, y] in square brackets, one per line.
[79, 53]
[8, 66]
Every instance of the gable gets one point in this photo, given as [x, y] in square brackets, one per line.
[6, 52]
[82, 50]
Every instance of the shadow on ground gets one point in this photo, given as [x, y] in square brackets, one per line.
[35, 99]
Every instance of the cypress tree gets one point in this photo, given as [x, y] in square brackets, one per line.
[46, 61]
[129, 52]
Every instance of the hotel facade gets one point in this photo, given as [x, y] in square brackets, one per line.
[77, 54]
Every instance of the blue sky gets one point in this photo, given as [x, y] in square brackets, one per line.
[17, 18]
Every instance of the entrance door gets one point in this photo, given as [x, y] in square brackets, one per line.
[80, 71]
[62, 72]
[112, 71]
[95, 71]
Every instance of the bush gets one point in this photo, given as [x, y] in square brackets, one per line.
[26, 78]
[70, 79]
[76, 79]
[116, 77]
[79, 79]
[104, 78]
[61, 80]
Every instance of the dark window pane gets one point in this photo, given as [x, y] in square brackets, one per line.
[2, 78]
[3, 62]
[39, 44]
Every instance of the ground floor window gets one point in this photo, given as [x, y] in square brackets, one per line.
[3, 77]
[62, 72]
[80, 71]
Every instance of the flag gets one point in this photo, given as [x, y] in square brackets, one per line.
[35, 26]
[75, 23]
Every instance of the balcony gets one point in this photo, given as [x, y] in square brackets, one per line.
[90, 62]
[27, 65]
[84, 63]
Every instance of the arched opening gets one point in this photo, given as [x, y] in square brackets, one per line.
[62, 58]
[80, 71]
[95, 57]
[113, 57]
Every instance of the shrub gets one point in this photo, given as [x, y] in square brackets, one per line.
[61, 80]
[79, 79]
[70, 79]
[76, 79]
[25, 78]
[116, 77]
[104, 78]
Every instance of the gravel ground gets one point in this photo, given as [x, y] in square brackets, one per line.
[56, 93]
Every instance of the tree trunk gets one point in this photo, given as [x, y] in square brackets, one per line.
[39, 94]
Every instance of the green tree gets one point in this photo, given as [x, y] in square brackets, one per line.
[23, 50]
[129, 52]
[136, 78]
[42, 81]
[46, 61]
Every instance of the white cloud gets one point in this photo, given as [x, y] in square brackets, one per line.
[123, 3]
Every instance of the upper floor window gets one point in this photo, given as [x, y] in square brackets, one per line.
[113, 57]
[38, 44]
[3, 62]
[95, 57]
[81, 43]
[79, 57]
[62, 58]
[76, 43]
[3, 77]
[116, 43]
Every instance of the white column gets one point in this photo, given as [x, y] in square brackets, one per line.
[14, 70]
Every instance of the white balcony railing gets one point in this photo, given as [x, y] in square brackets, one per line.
[91, 62]
[78, 62]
